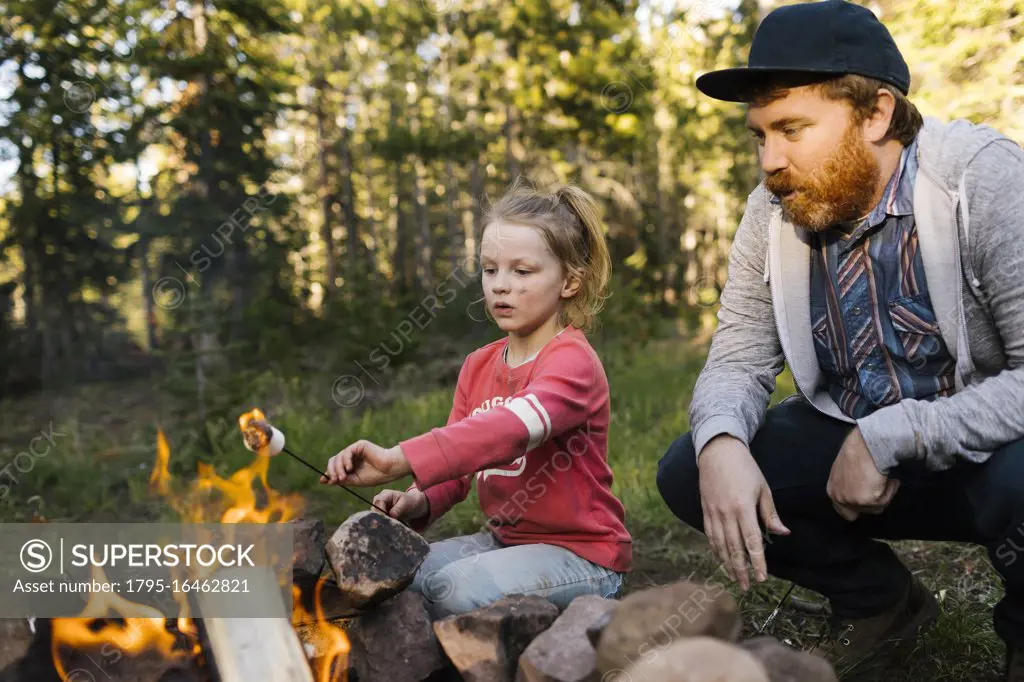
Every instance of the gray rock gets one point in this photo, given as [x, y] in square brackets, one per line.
[15, 638]
[308, 555]
[395, 642]
[786, 664]
[595, 629]
[485, 644]
[693, 659]
[653, 618]
[373, 557]
[563, 652]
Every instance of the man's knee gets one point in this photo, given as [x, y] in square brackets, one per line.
[679, 483]
[1001, 493]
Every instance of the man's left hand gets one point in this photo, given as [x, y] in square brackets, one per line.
[855, 484]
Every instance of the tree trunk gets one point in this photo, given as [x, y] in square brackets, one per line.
[668, 210]
[147, 294]
[373, 226]
[472, 226]
[513, 146]
[400, 262]
[348, 195]
[424, 250]
[456, 239]
[324, 192]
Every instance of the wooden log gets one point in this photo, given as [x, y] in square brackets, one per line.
[245, 649]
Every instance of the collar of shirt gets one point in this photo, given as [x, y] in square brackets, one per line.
[897, 199]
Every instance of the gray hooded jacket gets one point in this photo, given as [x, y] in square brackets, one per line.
[969, 212]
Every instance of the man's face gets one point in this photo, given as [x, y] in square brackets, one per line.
[815, 158]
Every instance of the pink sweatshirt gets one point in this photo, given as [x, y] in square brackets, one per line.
[535, 437]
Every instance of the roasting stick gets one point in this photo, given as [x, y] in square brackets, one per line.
[265, 439]
[324, 474]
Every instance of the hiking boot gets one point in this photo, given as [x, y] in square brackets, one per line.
[853, 640]
[1015, 664]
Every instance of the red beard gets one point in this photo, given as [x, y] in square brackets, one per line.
[840, 190]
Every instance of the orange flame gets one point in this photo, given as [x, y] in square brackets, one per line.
[159, 481]
[143, 628]
[327, 638]
[244, 497]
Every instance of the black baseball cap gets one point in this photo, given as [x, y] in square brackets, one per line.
[831, 38]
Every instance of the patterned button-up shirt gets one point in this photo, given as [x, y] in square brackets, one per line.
[875, 331]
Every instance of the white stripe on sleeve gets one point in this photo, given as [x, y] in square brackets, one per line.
[535, 401]
[529, 416]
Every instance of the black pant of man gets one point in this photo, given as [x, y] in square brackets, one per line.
[862, 577]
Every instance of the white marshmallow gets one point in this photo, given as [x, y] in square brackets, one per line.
[276, 442]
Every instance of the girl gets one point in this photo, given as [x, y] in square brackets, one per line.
[529, 423]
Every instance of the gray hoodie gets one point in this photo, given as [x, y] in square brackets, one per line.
[969, 212]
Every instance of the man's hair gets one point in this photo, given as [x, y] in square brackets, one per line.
[860, 91]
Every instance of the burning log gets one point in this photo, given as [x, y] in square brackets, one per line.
[374, 557]
[245, 649]
[128, 649]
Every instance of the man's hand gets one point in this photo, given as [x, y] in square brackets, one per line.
[405, 506]
[855, 484]
[732, 492]
[365, 464]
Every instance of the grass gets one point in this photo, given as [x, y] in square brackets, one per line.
[105, 443]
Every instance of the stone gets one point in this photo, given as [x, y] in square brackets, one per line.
[654, 617]
[595, 629]
[395, 642]
[485, 644]
[15, 638]
[308, 556]
[563, 652]
[374, 557]
[693, 659]
[786, 664]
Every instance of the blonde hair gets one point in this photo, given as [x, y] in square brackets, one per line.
[570, 221]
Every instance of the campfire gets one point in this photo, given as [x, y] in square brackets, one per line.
[114, 638]
[352, 614]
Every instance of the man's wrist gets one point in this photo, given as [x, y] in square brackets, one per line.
[712, 427]
[716, 442]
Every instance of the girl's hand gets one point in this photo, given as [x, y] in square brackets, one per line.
[366, 464]
[405, 506]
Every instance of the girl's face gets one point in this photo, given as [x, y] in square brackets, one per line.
[523, 281]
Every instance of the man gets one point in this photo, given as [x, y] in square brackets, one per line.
[882, 258]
